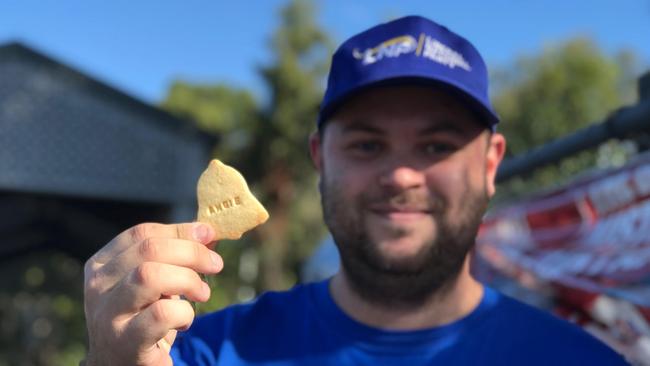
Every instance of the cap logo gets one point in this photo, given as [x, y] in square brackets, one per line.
[426, 46]
[393, 47]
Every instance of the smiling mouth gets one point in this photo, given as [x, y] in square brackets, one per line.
[400, 213]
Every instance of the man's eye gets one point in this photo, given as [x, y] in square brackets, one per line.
[365, 147]
[438, 148]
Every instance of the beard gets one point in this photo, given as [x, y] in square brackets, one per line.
[407, 281]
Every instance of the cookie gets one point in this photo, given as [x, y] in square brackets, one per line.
[226, 202]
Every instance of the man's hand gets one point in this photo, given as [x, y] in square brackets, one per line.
[132, 287]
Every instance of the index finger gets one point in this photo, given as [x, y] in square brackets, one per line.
[194, 231]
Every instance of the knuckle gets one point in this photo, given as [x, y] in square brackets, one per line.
[148, 249]
[91, 265]
[145, 273]
[140, 232]
[93, 280]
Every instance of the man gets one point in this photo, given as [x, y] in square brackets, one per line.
[407, 152]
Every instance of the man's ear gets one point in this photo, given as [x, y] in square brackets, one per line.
[315, 150]
[495, 152]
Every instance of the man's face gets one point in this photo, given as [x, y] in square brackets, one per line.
[406, 173]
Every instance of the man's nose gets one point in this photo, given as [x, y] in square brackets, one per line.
[402, 177]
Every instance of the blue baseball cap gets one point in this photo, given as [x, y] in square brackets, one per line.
[408, 51]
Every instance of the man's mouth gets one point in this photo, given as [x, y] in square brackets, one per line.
[400, 213]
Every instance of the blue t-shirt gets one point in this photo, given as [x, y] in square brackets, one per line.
[304, 326]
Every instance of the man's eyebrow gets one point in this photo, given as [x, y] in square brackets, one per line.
[448, 127]
[362, 127]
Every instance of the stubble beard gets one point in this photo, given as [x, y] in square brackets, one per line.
[401, 282]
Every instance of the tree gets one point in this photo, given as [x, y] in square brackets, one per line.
[268, 144]
[289, 180]
[551, 95]
[226, 112]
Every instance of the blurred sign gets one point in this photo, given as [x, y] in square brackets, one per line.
[587, 247]
[593, 234]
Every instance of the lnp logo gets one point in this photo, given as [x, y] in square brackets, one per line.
[393, 47]
[438, 52]
[426, 46]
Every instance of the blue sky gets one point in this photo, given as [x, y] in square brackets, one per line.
[141, 46]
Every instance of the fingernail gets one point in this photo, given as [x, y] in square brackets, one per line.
[216, 260]
[201, 233]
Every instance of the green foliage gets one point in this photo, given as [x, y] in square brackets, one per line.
[554, 94]
[41, 310]
[558, 92]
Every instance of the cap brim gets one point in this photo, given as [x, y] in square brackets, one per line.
[484, 114]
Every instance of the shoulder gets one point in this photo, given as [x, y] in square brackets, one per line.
[536, 333]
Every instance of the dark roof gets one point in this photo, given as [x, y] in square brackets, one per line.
[162, 118]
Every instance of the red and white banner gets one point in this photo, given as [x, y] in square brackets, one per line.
[585, 245]
[593, 234]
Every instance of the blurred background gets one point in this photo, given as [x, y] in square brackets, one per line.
[109, 111]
